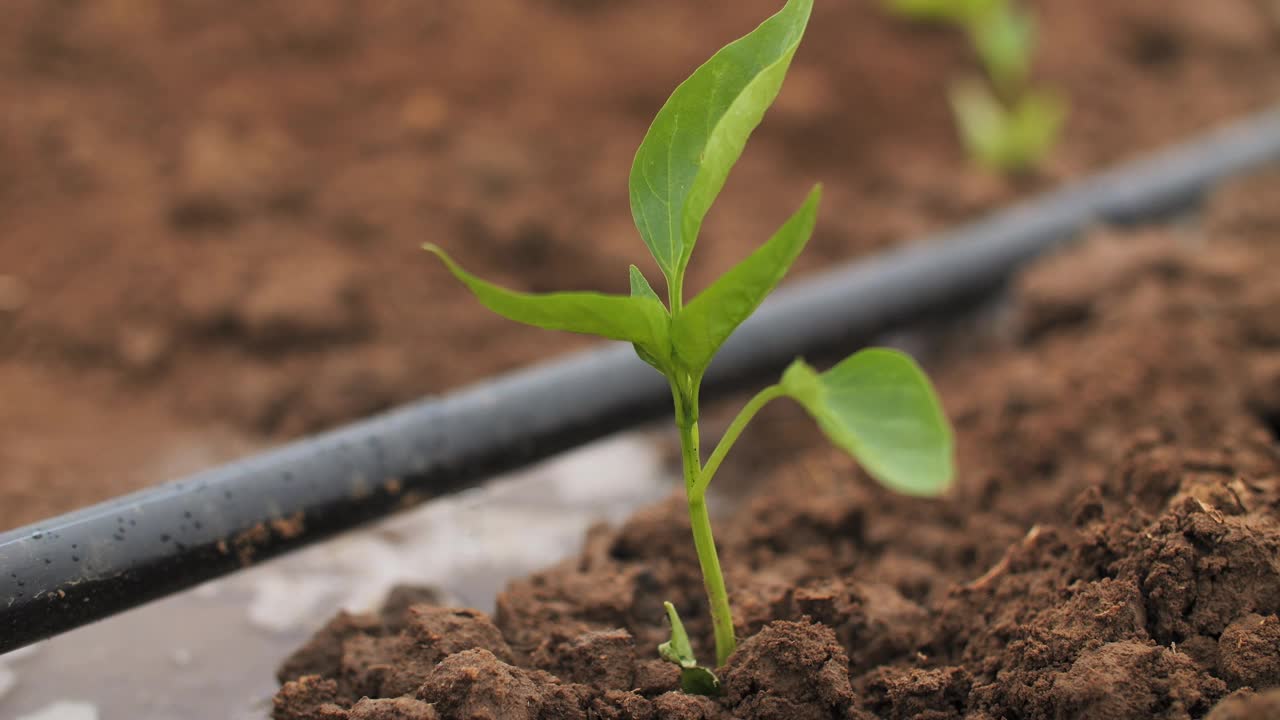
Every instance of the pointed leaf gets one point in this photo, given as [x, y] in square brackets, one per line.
[694, 679]
[699, 133]
[1004, 37]
[705, 323]
[640, 320]
[983, 122]
[640, 289]
[678, 649]
[879, 406]
[640, 286]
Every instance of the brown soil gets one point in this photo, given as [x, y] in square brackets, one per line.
[1111, 549]
[211, 211]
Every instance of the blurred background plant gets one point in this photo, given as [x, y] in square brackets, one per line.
[1006, 122]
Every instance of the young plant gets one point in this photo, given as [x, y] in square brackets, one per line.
[876, 404]
[1007, 123]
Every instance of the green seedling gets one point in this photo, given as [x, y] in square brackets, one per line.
[877, 404]
[1009, 125]
[694, 679]
[1012, 138]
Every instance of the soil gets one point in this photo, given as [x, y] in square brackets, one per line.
[211, 211]
[1111, 548]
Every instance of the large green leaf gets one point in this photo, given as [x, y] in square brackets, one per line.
[699, 133]
[642, 320]
[705, 323]
[878, 405]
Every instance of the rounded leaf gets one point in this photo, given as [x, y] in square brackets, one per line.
[880, 407]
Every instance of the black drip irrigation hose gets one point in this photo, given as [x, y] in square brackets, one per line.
[86, 565]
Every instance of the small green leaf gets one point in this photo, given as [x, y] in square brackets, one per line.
[678, 649]
[705, 323]
[694, 679]
[699, 681]
[879, 406]
[640, 286]
[1038, 120]
[640, 320]
[640, 289]
[1004, 36]
[938, 10]
[699, 133]
[982, 121]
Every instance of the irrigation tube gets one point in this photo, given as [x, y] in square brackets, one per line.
[74, 569]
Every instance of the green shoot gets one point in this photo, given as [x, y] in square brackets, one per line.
[694, 679]
[877, 405]
[1010, 138]
[1008, 125]
[937, 10]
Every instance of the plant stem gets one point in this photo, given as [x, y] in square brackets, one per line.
[744, 416]
[713, 579]
[675, 294]
[705, 545]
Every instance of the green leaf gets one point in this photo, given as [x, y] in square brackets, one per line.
[699, 681]
[678, 649]
[640, 289]
[1002, 139]
[1037, 122]
[694, 679]
[937, 10]
[879, 406]
[699, 134]
[640, 286]
[982, 121]
[640, 320]
[705, 323]
[1003, 36]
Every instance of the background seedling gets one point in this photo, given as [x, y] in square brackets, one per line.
[1006, 123]
[878, 405]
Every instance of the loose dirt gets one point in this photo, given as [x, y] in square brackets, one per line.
[210, 212]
